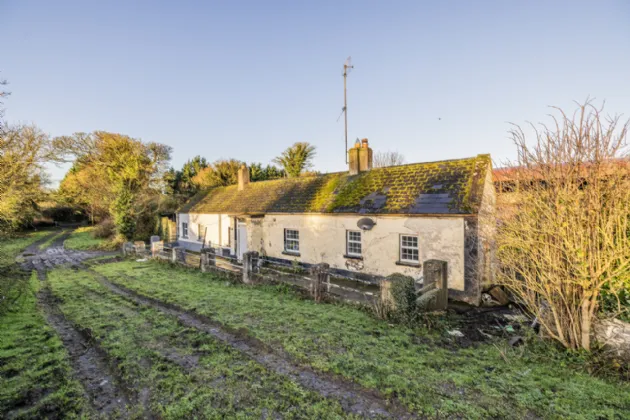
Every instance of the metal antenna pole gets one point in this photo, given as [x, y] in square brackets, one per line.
[345, 110]
[347, 65]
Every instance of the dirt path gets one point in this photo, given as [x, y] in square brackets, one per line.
[353, 398]
[56, 254]
[33, 248]
[105, 391]
[105, 394]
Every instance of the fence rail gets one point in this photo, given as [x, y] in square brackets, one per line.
[318, 280]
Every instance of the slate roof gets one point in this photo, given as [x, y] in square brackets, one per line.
[444, 187]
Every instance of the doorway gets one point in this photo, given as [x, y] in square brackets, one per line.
[241, 240]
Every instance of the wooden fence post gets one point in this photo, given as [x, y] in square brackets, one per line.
[321, 273]
[250, 265]
[208, 259]
[436, 272]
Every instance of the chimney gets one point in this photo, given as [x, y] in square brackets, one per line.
[360, 157]
[243, 177]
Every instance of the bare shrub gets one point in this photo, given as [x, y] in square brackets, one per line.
[564, 237]
[384, 159]
[105, 229]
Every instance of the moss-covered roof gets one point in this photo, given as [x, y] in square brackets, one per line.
[445, 187]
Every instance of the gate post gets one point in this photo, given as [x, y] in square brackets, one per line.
[436, 272]
[321, 273]
[250, 265]
[208, 259]
[156, 248]
[127, 248]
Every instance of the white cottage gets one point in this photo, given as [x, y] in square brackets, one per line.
[366, 223]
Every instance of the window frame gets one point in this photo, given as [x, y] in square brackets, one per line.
[185, 230]
[292, 240]
[408, 247]
[354, 241]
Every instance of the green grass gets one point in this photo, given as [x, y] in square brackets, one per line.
[13, 281]
[83, 239]
[425, 371]
[146, 345]
[11, 247]
[35, 375]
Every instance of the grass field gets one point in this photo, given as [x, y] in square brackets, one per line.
[423, 370]
[35, 375]
[186, 373]
[83, 239]
[75, 346]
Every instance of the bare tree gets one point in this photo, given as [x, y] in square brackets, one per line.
[383, 159]
[564, 238]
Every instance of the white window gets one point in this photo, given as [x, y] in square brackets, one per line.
[201, 232]
[184, 230]
[409, 249]
[292, 241]
[353, 243]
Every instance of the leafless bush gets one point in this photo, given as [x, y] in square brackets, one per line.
[105, 229]
[565, 237]
[383, 159]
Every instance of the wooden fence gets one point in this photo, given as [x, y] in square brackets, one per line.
[318, 279]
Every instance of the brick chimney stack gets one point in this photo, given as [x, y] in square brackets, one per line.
[243, 177]
[360, 157]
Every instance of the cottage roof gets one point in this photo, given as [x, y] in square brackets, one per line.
[444, 187]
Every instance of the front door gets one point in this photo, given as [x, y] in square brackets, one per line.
[241, 240]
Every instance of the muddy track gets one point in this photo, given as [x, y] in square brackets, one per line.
[172, 354]
[33, 248]
[105, 391]
[56, 254]
[353, 398]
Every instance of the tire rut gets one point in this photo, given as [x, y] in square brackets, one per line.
[353, 398]
[168, 352]
[102, 385]
[33, 248]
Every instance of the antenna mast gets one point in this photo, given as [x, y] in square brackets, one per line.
[347, 67]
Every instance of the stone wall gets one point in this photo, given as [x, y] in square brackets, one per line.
[615, 335]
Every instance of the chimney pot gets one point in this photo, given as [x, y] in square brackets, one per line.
[360, 157]
[243, 177]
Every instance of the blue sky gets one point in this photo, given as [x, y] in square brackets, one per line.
[245, 79]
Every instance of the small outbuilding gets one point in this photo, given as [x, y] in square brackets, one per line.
[367, 223]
